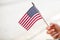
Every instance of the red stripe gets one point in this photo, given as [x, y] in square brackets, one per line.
[23, 18]
[36, 20]
[26, 21]
[30, 20]
[33, 22]
[38, 17]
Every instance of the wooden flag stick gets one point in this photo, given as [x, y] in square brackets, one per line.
[45, 21]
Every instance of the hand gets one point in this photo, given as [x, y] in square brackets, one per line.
[54, 30]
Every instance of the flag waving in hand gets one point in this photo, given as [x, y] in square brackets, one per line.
[30, 17]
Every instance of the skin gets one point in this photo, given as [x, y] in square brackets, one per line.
[54, 30]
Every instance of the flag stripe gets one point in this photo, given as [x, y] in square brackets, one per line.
[29, 21]
[32, 21]
[22, 18]
[26, 21]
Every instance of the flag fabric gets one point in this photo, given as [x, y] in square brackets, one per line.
[30, 17]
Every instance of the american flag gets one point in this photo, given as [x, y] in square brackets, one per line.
[30, 17]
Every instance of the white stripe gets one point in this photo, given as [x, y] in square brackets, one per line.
[23, 18]
[29, 20]
[32, 21]
[26, 21]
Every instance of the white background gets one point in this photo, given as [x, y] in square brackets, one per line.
[12, 10]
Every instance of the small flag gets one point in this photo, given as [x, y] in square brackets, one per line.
[30, 17]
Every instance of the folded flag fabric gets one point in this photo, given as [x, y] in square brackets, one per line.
[30, 17]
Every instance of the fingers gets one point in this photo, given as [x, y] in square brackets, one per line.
[59, 35]
[50, 31]
[55, 26]
[55, 36]
[53, 33]
[52, 26]
[48, 28]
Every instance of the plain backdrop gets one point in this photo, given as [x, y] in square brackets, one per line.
[11, 12]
